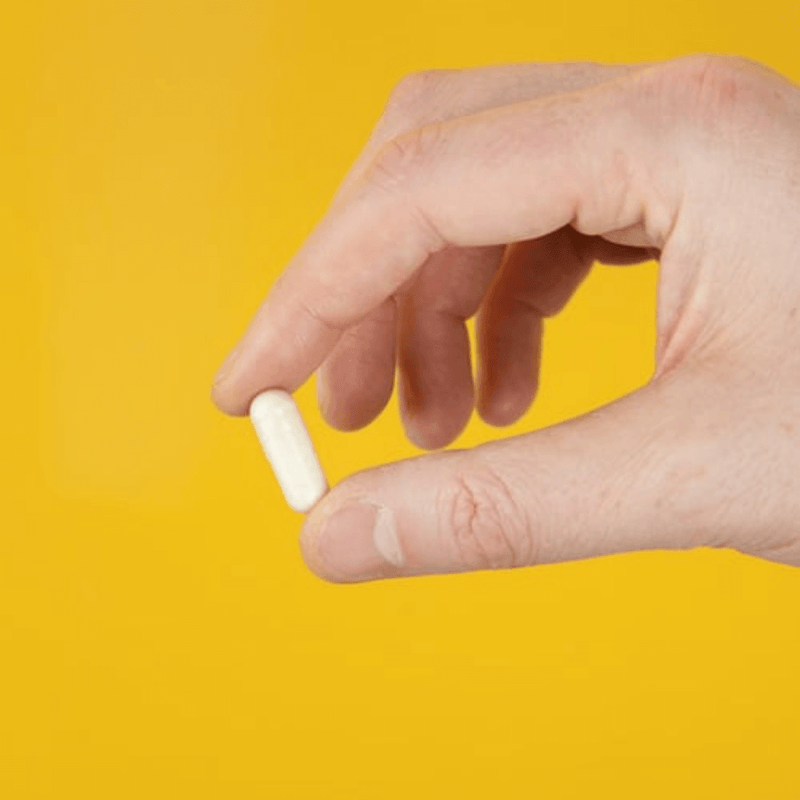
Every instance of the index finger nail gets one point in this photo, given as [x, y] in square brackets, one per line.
[227, 365]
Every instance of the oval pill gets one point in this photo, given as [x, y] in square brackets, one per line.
[288, 448]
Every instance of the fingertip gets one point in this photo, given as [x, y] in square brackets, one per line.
[310, 554]
[356, 380]
[500, 416]
[223, 387]
[226, 402]
[435, 420]
[501, 410]
[433, 431]
[348, 412]
[351, 541]
[309, 539]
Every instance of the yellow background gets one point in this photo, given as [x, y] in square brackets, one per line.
[160, 163]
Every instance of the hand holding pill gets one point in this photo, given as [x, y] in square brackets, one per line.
[492, 191]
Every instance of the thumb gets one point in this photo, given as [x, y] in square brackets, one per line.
[630, 476]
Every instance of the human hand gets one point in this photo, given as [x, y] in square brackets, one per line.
[494, 190]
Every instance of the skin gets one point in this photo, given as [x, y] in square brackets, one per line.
[492, 191]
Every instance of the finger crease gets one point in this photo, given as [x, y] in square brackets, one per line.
[319, 318]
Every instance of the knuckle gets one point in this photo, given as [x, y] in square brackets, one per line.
[400, 158]
[482, 524]
[412, 94]
[715, 91]
[713, 79]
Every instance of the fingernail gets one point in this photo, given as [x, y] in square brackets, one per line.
[225, 369]
[359, 540]
[323, 396]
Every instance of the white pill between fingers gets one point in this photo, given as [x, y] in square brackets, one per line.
[288, 448]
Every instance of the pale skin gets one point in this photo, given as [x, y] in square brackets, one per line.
[492, 191]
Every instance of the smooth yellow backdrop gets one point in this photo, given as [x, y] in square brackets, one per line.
[160, 637]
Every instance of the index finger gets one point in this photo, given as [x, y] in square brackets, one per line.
[513, 173]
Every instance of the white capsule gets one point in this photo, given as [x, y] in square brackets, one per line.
[288, 448]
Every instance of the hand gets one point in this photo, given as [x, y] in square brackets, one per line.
[493, 191]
